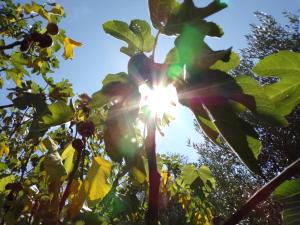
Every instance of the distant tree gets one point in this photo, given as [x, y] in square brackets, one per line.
[268, 37]
[234, 179]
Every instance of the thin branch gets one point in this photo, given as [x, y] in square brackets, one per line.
[154, 46]
[12, 45]
[262, 194]
[6, 106]
[154, 177]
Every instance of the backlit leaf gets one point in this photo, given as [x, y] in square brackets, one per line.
[285, 93]
[170, 17]
[69, 46]
[6, 180]
[137, 35]
[233, 62]
[288, 194]
[263, 106]
[67, 157]
[95, 184]
[59, 113]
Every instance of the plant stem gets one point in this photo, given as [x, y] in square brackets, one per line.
[154, 177]
[70, 179]
[263, 193]
[6, 106]
[154, 46]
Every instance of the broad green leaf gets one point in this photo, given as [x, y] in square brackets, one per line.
[69, 45]
[6, 180]
[95, 184]
[67, 157]
[233, 62]
[194, 52]
[189, 174]
[206, 175]
[99, 99]
[285, 93]
[160, 11]
[262, 106]
[209, 96]
[113, 85]
[119, 133]
[119, 77]
[170, 17]
[137, 35]
[288, 194]
[238, 134]
[58, 113]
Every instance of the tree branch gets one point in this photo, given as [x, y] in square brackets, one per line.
[263, 193]
[12, 45]
[154, 177]
[6, 106]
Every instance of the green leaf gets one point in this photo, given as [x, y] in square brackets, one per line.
[194, 52]
[262, 105]
[233, 62]
[285, 93]
[137, 35]
[99, 99]
[206, 176]
[238, 134]
[119, 77]
[6, 180]
[288, 193]
[95, 184]
[170, 17]
[189, 174]
[209, 97]
[58, 113]
[113, 85]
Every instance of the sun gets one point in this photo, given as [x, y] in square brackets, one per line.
[159, 100]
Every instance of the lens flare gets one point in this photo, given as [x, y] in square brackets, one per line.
[160, 100]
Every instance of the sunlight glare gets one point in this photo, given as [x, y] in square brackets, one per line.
[160, 100]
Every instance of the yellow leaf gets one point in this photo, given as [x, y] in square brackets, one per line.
[67, 157]
[34, 7]
[165, 176]
[95, 184]
[77, 203]
[69, 45]
[58, 9]
[4, 149]
[94, 188]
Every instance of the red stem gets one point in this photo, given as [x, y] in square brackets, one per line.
[154, 177]
[264, 193]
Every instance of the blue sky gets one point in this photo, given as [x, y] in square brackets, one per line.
[100, 54]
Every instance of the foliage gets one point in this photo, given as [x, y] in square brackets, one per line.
[61, 159]
[234, 185]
